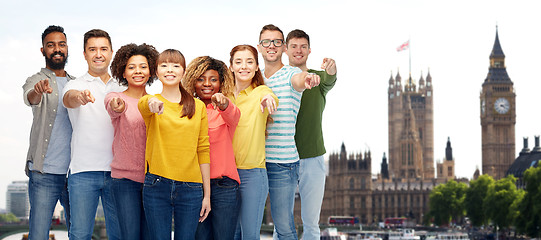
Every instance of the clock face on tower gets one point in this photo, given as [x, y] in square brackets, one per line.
[501, 105]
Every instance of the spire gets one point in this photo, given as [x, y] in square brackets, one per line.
[391, 79]
[496, 71]
[497, 48]
[384, 167]
[428, 77]
[449, 150]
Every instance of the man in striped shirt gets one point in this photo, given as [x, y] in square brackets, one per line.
[282, 158]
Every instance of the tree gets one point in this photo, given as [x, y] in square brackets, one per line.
[475, 195]
[446, 202]
[8, 218]
[528, 220]
[500, 200]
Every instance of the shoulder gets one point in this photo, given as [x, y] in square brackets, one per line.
[292, 70]
[199, 103]
[115, 94]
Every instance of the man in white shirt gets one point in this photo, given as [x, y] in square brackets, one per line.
[91, 143]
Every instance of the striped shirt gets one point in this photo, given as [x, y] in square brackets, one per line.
[280, 143]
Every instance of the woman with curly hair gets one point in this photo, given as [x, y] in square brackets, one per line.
[255, 101]
[134, 66]
[209, 80]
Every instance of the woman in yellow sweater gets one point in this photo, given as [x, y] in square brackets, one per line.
[177, 180]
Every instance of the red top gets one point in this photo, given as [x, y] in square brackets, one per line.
[222, 125]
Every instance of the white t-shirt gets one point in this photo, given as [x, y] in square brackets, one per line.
[93, 133]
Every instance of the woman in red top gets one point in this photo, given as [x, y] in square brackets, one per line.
[210, 80]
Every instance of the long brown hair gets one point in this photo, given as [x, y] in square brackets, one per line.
[186, 101]
[258, 78]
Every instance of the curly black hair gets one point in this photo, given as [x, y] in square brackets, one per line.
[118, 66]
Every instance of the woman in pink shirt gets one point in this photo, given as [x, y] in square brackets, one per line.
[134, 66]
[210, 80]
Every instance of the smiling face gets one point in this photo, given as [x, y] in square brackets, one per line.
[244, 66]
[271, 53]
[170, 74]
[137, 71]
[207, 85]
[298, 50]
[98, 54]
[55, 50]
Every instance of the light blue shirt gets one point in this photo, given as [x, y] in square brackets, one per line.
[57, 158]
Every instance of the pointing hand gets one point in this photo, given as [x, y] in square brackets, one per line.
[155, 105]
[117, 104]
[85, 97]
[329, 65]
[43, 87]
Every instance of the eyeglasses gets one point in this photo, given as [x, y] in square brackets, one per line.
[276, 42]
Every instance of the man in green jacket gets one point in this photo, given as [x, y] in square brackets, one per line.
[309, 135]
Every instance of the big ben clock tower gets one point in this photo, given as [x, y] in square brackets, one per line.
[498, 116]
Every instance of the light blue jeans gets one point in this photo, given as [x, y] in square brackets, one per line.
[253, 188]
[311, 188]
[85, 190]
[44, 190]
[283, 180]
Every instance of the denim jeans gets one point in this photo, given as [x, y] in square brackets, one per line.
[283, 180]
[254, 188]
[164, 199]
[311, 188]
[85, 189]
[222, 220]
[128, 197]
[44, 190]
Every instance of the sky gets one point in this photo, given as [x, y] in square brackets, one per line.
[450, 39]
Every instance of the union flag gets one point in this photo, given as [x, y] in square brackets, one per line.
[403, 46]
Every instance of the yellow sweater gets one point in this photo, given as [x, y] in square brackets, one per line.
[175, 146]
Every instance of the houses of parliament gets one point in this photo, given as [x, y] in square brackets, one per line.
[407, 174]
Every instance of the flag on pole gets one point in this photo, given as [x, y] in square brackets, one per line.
[403, 46]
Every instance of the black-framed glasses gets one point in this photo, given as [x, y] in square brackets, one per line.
[276, 42]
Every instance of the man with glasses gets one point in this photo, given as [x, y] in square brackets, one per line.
[282, 159]
[48, 156]
[308, 134]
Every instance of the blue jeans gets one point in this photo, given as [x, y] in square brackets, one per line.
[128, 196]
[44, 190]
[283, 180]
[311, 188]
[85, 190]
[164, 199]
[254, 188]
[222, 220]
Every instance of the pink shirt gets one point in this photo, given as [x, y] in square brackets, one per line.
[130, 139]
[222, 125]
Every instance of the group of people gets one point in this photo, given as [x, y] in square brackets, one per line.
[205, 152]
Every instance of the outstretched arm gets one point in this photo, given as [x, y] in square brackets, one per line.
[304, 80]
[76, 98]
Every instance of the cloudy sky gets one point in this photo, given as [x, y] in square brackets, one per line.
[451, 39]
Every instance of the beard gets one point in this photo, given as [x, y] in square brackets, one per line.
[54, 64]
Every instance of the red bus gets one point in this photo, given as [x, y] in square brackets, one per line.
[343, 220]
[396, 222]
